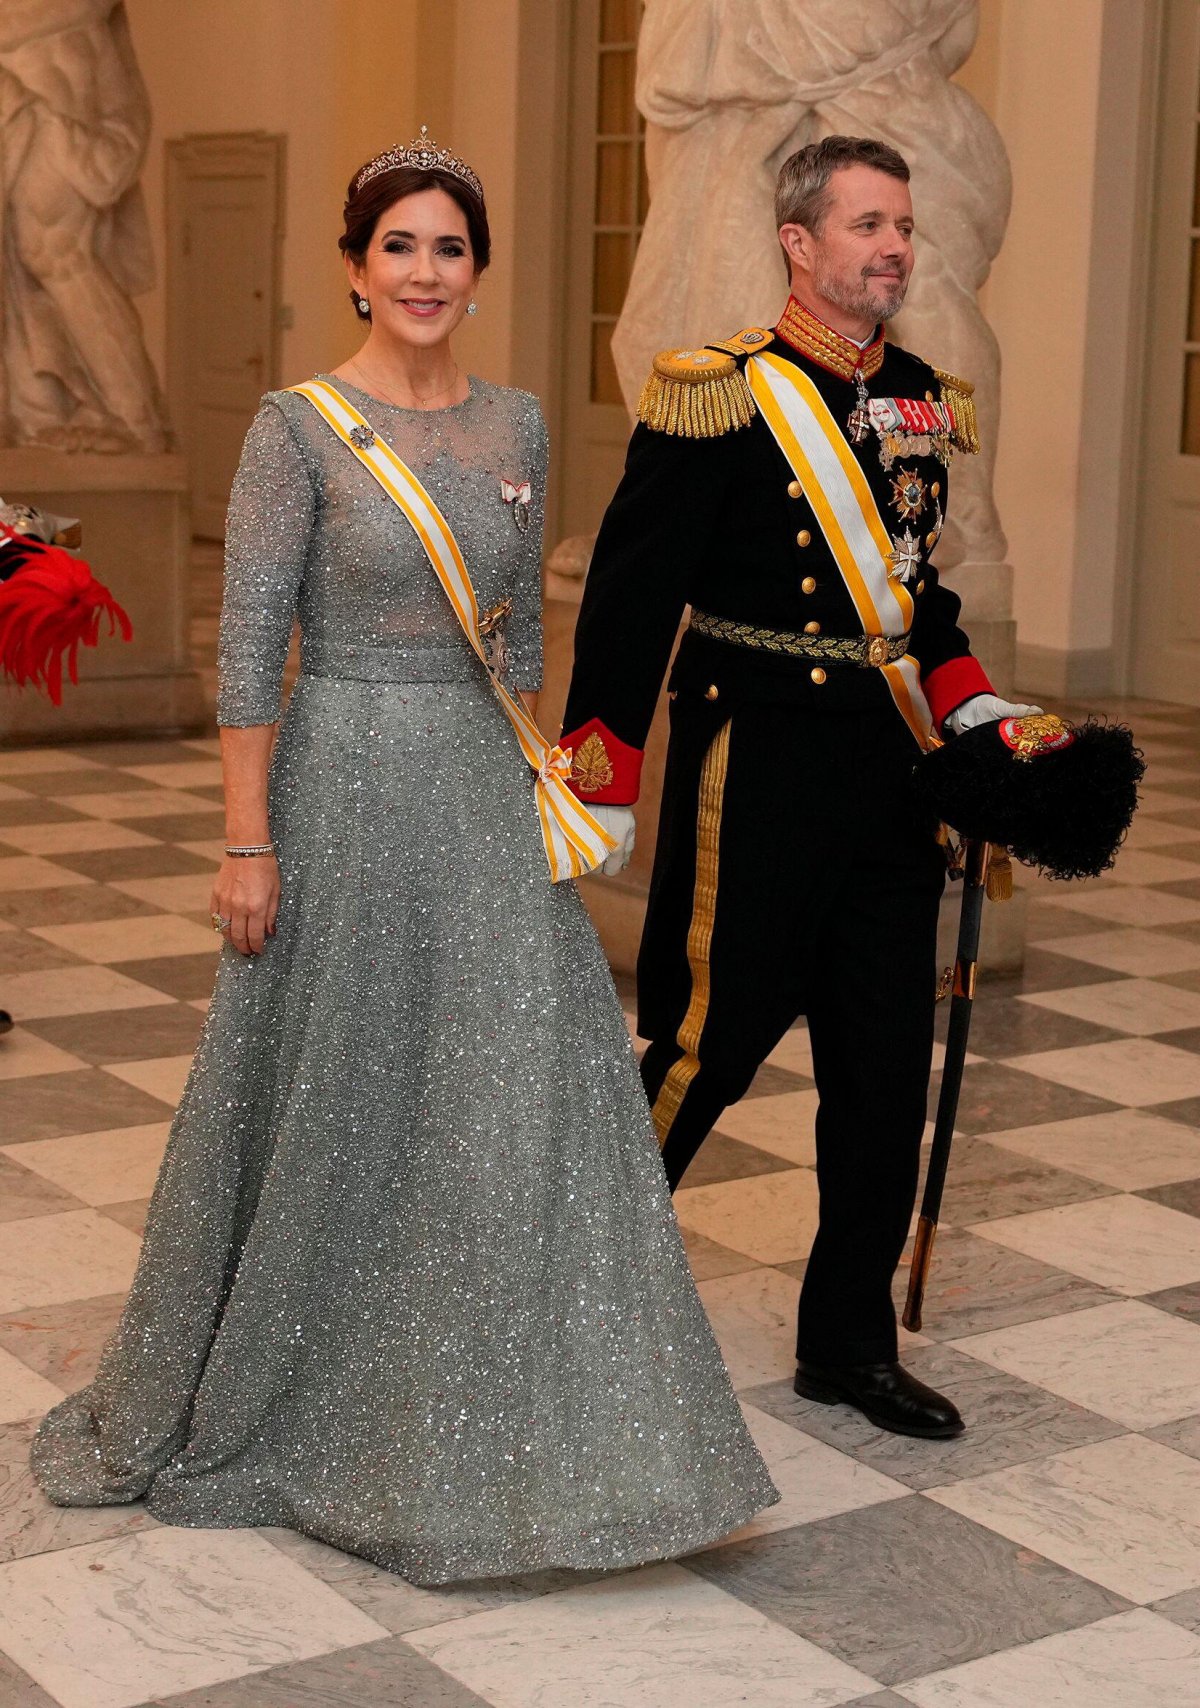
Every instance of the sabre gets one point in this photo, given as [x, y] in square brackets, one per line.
[975, 857]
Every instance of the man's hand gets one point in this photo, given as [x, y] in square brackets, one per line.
[984, 709]
[622, 827]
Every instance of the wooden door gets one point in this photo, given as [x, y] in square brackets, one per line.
[225, 230]
[1166, 617]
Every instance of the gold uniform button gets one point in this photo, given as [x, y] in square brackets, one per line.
[812, 628]
[804, 538]
[795, 490]
[920, 587]
[817, 675]
[712, 692]
[809, 584]
[929, 397]
[936, 488]
[930, 541]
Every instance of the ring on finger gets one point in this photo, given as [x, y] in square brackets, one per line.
[219, 922]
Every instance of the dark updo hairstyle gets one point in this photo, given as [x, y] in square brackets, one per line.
[365, 207]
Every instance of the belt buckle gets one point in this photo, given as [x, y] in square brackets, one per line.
[877, 652]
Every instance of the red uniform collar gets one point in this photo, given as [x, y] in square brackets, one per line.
[800, 328]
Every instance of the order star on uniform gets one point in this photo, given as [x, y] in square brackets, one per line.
[789, 485]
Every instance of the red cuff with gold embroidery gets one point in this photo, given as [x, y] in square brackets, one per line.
[604, 769]
[951, 683]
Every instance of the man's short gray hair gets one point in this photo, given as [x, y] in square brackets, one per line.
[802, 194]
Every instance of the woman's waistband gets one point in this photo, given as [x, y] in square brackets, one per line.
[412, 661]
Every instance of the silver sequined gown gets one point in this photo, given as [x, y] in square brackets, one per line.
[411, 1281]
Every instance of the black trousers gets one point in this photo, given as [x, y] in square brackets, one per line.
[795, 875]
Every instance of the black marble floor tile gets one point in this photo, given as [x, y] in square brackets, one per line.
[29, 1524]
[1178, 850]
[708, 1259]
[1047, 920]
[70, 904]
[151, 751]
[22, 953]
[771, 1081]
[1187, 1039]
[1009, 1422]
[986, 1182]
[63, 1342]
[1044, 970]
[24, 1193]
[83, 782]
[1185, 1110]
[184, 826]
[387, 1674]
[1183, 1609]
[36, 810]
[1182, 1435]
[995, 1098]
[1013, 1028]
[1182, 981]
[151, 860]
[887, 1586]
[184, 976]
[1188, 888]
[87, 1100]
[17, 1689]
[1179, 1195]
[976, 1286]
[207, 791]
[131, 1214]
[1179, 1301]
[1188, 815]
[115, 1036]
[721, 1158]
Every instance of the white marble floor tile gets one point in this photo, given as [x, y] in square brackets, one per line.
[1133, 1660]
[111, 1624]
[1128, 1244]
[1126, 1361]
[200, 1003]
[644, 1640]
[1133, 1071]
[814, 1480]
[180, 774]
[1144, 866]
[187, 893]
[29, 872]
[46, 1260]
[782, 1125]
[753, 1315]
[38, 760]
[204, 744]
[24, 1053]
[1124, 1513]
[107, 940]
[1138, 1006]
[1126, 1148]
[23, 1393]
[771, 1217]
[793, 1052]
[1129, 905]
[73, 838]
[163, 1076]
[1145, 954]
[1154, 832]
[98, 1168]
[85, 989]
[137, 803]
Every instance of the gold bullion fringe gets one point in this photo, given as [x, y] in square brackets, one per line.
[961, 400]
[704, 906]
[703, 406]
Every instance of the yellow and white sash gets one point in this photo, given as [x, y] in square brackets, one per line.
[834, 484]
[575, 843]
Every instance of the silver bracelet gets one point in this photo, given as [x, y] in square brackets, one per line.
[249, 850]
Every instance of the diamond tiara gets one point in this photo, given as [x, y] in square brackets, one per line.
[423, 153]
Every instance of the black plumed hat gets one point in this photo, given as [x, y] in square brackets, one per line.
[1058, 796]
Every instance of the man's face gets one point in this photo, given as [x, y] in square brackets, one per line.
[863, 257]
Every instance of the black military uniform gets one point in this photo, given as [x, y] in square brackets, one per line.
[794, 872]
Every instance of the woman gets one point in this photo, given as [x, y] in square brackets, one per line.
[411, 1282]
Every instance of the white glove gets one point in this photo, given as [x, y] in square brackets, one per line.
[984, 709]
[622, 827]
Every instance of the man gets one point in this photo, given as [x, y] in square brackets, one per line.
[789, 486]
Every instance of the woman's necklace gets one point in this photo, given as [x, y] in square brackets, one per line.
[374, 385]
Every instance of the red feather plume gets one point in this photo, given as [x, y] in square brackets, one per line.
[50, 604]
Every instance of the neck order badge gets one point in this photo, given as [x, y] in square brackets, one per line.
[836, 487]
[574, 842]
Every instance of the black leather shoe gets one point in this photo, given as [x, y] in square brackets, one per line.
[884, 1393]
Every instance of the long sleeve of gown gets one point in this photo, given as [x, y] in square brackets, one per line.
[266, 547]
[524, 635]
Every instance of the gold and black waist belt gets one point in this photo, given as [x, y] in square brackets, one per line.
[869, 651]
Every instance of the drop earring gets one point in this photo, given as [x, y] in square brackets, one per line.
[364, 307]
[472, 307]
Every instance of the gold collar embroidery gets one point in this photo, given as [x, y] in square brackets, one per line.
[821, 344]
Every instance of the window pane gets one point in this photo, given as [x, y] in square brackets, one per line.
[617, 115]
[604, 374]
[618, 20]
[614, 183]
[610, 272]
[1193, 330]
[1190, 443]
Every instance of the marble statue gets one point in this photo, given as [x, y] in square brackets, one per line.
[729, 89]
[74, 123]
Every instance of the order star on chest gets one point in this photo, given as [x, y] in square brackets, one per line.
[905, 556]
[908, 493]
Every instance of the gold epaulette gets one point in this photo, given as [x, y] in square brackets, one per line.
[960, 396]
[697, 394]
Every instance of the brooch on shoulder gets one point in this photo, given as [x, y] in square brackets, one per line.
[520, 495]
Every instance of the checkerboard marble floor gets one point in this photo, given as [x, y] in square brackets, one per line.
[1049, 1557]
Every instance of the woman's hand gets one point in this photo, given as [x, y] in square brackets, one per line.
[246, 893]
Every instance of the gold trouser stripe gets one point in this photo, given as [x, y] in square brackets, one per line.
[704, 904]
